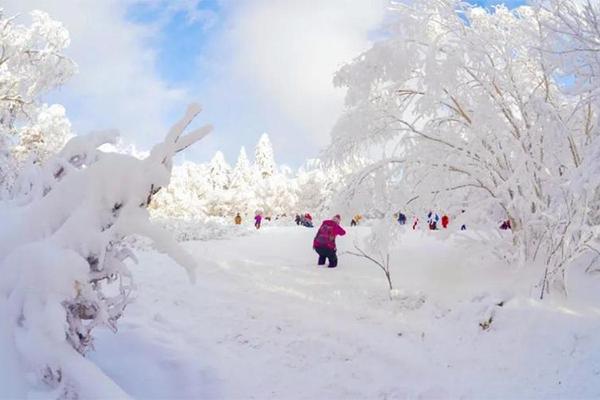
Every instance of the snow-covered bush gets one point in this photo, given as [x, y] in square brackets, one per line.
[466, 107]
[63, 255]
[207, 228]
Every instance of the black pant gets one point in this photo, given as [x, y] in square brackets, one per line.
[325, 253]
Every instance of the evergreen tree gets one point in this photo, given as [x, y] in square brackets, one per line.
[263, 157]
[219, 172]
[242, 172]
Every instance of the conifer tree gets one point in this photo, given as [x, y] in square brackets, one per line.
[264, 159]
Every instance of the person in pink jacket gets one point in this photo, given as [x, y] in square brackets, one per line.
[324, 242]
[257, 220]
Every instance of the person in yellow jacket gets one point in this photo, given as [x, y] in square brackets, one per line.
[238, 219]
[356, 220]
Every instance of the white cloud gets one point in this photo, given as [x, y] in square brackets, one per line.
[117, 85]
[283, 54]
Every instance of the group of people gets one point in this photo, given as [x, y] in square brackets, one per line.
[433, 220]
[258, 218]
[324, 240]
[304, 220]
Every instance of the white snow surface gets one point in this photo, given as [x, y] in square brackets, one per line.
[264, 321]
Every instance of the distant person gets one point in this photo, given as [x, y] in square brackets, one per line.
[324, 242]
[445, 221]
[355, 220]
[415, 223]
[432, 220]
[505, 225]
[401, 218]
[298, 219]
[237, 219]
[257, 220]
[463, 226]
[306, 220]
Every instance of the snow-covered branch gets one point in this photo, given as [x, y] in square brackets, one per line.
[67, 242]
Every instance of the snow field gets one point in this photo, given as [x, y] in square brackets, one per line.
[263, 321]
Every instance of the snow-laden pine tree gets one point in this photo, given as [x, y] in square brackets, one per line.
[268, 185]
[219, 172]
[243, 182]
[241, 176]
[218, 201]
[466, 109]
[264, 160]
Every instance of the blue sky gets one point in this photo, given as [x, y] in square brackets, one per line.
[488, 3]
[255, 65]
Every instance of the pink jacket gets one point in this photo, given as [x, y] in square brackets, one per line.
[326, 234]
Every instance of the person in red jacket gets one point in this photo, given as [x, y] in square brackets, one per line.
[324, 242]
[445, 221]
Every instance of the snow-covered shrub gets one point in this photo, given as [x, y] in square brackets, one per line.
[207, 228]
[63, 255]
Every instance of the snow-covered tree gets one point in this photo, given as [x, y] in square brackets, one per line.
[31, 63]
[572, 46]
[573, 42]
[241, 176]
[218, 201]
[218, 172]
[264, 159]
[474, 118]
[315, 185]
[242, 186]
[213, 189]
[185, 197]
[275, 195]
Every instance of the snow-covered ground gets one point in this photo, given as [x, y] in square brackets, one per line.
[263, 321]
